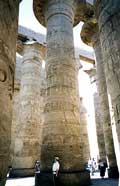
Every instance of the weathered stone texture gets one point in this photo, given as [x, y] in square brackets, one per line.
[90, 35]
[8, 29]
[28, 135]
[99, 128]
[104, 106]
[61, 130]
[84, 132]
[108, 14]
[15, 105]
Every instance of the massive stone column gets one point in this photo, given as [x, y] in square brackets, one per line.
[108, 16]
[29, 127]
[15, 105]
[84, 132]
[97, 111]
[8, 30]
[90, 35]
[61, 131]
[99, 127]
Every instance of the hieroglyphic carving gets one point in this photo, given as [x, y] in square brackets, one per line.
[2, 75]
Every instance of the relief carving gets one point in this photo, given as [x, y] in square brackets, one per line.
[3, 76]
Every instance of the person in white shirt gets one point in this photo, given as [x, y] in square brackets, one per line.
[55, 170]
[56, 166]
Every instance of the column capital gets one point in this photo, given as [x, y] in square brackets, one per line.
[33, 51]
[83, 11]
[21, 47]
[90, 33]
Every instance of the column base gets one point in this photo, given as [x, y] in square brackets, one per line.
[19, 173]
[81, 178]
[113, 172]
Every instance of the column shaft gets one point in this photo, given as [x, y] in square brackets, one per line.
[28, 135]
[8, 29]
[99, 127]
[61, 131]
[105, 114]
[108, 14]
[84, 132]
[15, 105]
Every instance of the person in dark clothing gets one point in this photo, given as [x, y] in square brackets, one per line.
[37, 170]
[102, 168]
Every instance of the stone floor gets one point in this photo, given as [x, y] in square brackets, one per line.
[96, 181]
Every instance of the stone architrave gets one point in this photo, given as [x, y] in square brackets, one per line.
[84, 132]
[90, 35]
[61, 131]
[8, 31]
[29, 127]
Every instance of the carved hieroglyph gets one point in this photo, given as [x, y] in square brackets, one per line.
[90, 35]
[108, 15]
[8, 30]
[61, 130]
[28, 131]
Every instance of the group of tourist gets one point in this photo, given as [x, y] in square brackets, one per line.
[93, 166]
[55, 169]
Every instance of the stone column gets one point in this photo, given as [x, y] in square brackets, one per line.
[15, 104]
[99, 127]
[97, 111]
[8, 30]
[84, 132]
[108, 16]
[29, 128]
[61, 132]
[90, 35]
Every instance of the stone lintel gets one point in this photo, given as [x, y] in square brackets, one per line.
[86, 59]
[83, 11]
[89, 33]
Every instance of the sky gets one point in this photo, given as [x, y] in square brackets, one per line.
[27, 19]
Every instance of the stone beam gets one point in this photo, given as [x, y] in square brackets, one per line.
[86, 59]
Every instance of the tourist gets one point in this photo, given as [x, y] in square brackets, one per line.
[37, 170]
[102, 167]
[55, 169]
[92, 165]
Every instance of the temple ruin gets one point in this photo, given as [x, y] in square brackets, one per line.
[42, 114]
